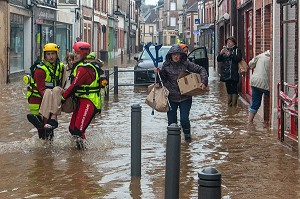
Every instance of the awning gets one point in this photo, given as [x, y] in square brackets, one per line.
[206, 26]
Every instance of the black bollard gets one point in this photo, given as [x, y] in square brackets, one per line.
[172, 162]
[136, 140]
[106, 73]
[209, 184]
[116, 81]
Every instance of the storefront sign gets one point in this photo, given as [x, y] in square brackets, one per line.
[47, 14]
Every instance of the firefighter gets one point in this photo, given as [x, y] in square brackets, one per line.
[45, 74]
[85, 87]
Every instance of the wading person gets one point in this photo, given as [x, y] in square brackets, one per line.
[175, 64]
[230, 56]
[260, 81]
[85, 88]
[46, 74]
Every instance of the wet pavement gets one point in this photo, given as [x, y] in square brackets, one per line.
[253, 163]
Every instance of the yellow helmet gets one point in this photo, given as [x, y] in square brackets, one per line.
[51, 47]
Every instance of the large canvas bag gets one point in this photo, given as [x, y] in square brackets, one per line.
[158, 98]
[243, 66]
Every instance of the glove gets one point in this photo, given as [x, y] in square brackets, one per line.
[63, 100]
[103, 82]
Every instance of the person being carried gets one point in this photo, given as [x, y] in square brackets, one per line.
[175, 65]
[51, 105]
[45, 74]
[260, 81]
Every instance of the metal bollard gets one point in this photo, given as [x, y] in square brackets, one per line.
[106, 73]
[116, 82]
[209, 184]
[136, 140]
[172, 162]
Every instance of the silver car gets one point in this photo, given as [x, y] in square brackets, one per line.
[144, 67]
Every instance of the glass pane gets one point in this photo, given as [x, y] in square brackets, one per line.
[16, 43]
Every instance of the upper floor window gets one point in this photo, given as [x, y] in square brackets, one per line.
[68, 1]
[51, 3]
[18, 2]
[172, 6]
[151, 29]
[172, 21]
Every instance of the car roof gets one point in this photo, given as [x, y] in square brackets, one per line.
[162, 46]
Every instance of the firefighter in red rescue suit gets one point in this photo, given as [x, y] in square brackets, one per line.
[44, 74]
[85, 88]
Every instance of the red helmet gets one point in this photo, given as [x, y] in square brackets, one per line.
[83, 48]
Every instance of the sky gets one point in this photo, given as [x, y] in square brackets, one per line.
[151, 2]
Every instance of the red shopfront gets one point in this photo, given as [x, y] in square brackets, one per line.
[245, 42]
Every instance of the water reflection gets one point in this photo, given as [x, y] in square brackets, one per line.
[135, 188]
[65, 175]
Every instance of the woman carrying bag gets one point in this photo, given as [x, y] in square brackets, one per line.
[175, 64]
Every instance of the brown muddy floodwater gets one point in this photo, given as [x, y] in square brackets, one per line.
[252, 161]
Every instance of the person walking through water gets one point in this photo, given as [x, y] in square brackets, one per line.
[85, 88]
[176, 64]
[45, 74]
[260, 81]
[230, 56]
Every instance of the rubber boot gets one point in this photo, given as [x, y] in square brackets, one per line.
[187, 134]
[251, 117]
[229, 100]
[234, 99]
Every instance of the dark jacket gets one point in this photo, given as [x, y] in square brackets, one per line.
[170, 72]
[229, 67]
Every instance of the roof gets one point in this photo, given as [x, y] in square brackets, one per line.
[193, 8]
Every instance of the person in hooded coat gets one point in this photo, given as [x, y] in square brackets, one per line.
[175, 65]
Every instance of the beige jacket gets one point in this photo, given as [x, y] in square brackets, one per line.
[261, 73]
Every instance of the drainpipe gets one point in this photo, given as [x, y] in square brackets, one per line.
[298, 18]
[7, 46]
[233, 18]
[80, 20]
[93, 26]
[215, 32]
[129, 31]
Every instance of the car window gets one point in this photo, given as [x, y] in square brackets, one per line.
[162, 52]
[198, 54]
[145, 55]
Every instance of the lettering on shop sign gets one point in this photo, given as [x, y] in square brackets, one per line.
[45, 14]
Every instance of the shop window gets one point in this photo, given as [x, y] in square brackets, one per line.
[16, 43]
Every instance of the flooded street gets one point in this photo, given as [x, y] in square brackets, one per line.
[253, 163]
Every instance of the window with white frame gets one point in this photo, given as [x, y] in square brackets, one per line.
[172, 6]
[172, 21]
